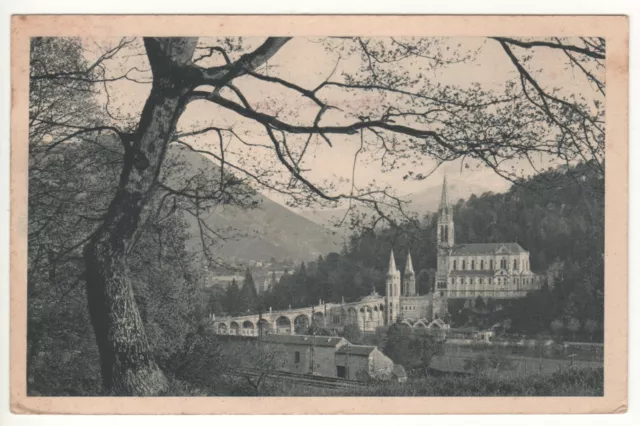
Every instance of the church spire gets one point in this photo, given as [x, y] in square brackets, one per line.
[444, 199]
[408, 269]
[392, 264]
[409, 278]
[445, 218]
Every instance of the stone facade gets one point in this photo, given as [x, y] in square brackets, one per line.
[358, 362]
[488, 270]
[306, 354]
[329, 356]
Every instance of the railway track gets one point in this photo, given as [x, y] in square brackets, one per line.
[306, 379]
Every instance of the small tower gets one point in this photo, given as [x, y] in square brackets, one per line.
[392, 297]
[409, 278]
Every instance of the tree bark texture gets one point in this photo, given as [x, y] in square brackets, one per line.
[127, 363]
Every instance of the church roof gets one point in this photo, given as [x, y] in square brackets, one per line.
[486, 248]
[483, 273]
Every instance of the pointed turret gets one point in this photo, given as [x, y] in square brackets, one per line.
[392, 294]
[409, 278]
[408, 269]
[392, 264]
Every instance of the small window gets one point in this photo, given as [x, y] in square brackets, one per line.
[455, 266]
[482, 265]
[464, 265]
[473, 265]
[491, 264]
[342, 371]
[297, 357]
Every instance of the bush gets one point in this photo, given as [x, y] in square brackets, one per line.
[352, 333]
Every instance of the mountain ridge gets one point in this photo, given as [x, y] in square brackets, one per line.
[265, 231]
[421, 202]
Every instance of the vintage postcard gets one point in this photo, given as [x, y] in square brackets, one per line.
[403, 214]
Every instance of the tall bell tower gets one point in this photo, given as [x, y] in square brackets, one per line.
[392, 297]
[445, 242]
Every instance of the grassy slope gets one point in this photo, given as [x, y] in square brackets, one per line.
[571, 382]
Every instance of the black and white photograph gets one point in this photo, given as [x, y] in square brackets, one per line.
[316, 216]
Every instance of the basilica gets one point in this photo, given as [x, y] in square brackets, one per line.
[488, 270]
[464, 271]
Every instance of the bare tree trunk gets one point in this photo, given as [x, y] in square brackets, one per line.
[127, 363]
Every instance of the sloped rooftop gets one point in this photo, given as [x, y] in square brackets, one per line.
[486, 248]
[357, 350]
[328, 341]
[472, 273]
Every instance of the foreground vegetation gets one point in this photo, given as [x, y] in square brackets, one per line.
[571, 382]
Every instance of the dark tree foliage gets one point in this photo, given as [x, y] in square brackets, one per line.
[248, 297]
[412, 351]
[352, 333]
[232, 299]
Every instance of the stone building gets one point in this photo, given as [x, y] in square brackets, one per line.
[357, 362]
[306, 354]
[329, 356]
[488, 270]
[401, 300]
